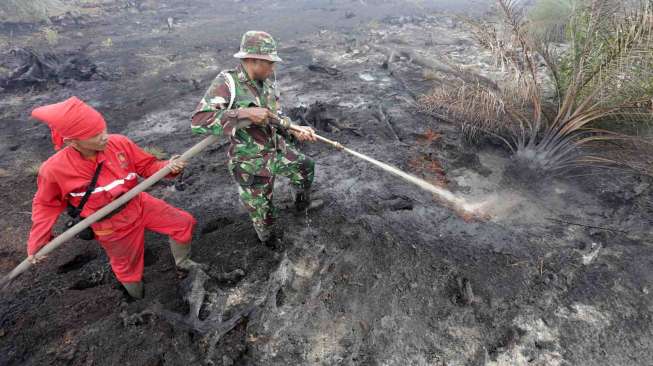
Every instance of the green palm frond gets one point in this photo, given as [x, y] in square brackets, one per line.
[557, 102]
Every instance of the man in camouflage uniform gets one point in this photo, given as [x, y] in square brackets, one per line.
[239, 104]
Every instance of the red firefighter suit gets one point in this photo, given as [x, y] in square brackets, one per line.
[64, 178]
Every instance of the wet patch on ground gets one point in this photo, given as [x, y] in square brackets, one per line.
[381, 274]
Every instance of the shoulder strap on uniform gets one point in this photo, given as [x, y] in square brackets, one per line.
[231, 83]
[76, 211]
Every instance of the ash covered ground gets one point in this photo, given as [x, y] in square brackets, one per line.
[381, 274]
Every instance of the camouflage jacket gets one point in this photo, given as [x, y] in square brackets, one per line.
[249, 141]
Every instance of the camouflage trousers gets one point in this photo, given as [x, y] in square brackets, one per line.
[255, 179]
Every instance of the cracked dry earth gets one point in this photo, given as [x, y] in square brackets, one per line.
[381, 274]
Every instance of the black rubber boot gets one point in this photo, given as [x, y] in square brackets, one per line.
[181, 255]
[134, 289]
[302, 199]
[270, 236]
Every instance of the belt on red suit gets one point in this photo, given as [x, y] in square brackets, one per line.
[115, 211]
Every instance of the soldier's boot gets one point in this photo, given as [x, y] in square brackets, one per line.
[303, 200]
[134, 289]
[269, 235]
[181, 254]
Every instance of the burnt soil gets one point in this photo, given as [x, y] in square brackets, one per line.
[381, 274]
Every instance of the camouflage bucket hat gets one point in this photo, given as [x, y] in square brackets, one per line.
[257, 44]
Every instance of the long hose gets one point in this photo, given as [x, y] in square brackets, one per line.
[458, 204]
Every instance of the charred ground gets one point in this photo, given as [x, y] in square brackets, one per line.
[381, 274]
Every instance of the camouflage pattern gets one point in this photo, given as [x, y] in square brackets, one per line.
[248, 142]
[257, 154]
[257, 44]
[255, 186]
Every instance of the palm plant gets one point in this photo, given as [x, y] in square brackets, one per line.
[556, 103]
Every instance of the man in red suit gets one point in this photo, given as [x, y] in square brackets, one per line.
[117, 161]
